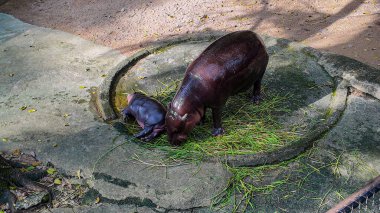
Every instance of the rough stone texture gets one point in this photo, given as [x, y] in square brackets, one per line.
[358, 131]
[144, 176]
[32, 200]
[53, 73]
[360, 75]
[315, 183]
[44, 70]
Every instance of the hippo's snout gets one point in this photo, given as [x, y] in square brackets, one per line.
[177, 139]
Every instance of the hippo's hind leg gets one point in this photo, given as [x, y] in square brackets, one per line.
[256, 96]
[157, 130]
[147, 130]
[217, 122]
[262, 66]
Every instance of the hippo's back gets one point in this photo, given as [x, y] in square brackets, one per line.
[230, 64]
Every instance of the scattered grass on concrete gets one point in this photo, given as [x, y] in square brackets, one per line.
[286, 179]
[240, 190]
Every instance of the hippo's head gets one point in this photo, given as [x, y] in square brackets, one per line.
[179, 126]
[125, 112]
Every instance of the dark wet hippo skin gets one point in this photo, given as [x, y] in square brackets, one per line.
[231, 64]
[149, 114]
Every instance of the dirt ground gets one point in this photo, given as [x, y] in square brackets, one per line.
[347, 27]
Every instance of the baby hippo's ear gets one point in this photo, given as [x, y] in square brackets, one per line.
[129, 97]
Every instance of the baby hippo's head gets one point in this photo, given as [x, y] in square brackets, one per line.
[125, 112]
[179, 126]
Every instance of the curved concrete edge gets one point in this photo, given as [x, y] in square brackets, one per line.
[348, 71]
[103, 97]
[105, 93]
[360, 76]
[337, 107]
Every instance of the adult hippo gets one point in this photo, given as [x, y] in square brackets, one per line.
[230, 65]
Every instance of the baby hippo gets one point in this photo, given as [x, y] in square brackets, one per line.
[149, 114]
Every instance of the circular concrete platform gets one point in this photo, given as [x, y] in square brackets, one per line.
[308, 100]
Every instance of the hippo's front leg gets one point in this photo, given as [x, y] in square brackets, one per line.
[150, 137]
[203, 119]
[217, 122]
[156, 132]
[147, 130]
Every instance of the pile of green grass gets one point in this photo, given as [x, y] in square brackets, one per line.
[249, 128]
